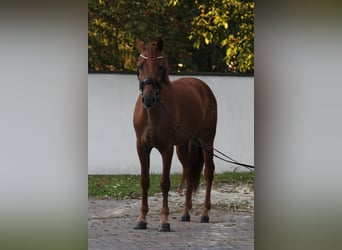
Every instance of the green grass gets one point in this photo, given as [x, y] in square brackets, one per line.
[128, 186]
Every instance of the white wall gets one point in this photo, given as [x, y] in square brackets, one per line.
[111, 137]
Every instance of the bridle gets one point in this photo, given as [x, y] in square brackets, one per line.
[148, 80]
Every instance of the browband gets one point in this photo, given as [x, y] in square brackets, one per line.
[145, 57]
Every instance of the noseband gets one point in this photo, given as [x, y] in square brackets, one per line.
[145, 82]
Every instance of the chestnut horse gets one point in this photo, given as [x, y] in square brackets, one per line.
[162, 107]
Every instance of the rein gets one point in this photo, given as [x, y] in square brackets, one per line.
[196, 142]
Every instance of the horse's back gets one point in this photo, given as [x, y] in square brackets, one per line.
[190, 86]
[194, 89]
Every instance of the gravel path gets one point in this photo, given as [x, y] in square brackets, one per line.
[231, 225]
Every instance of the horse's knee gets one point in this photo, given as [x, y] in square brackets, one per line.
[145, 184]
[165, 185]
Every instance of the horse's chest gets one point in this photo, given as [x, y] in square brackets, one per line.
[152, 137]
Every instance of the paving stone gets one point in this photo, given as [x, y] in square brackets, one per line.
[231, 225]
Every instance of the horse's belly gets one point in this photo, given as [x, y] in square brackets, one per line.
[159, 139]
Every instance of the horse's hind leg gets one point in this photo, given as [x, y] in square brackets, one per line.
[209, 176]
[144, 157]
[165, 187]
[183, 156]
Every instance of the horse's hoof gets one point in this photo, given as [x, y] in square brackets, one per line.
[204, 219]
[164, 227]
[185, 217]
[140, 225]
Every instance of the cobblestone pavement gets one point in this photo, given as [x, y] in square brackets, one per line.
[231, 225]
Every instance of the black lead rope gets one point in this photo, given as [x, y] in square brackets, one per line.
[196, 142]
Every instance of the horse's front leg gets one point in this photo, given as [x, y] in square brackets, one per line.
[165, 187]
[144, 157]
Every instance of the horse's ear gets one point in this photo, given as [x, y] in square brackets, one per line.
[139, 44]
[160, 44]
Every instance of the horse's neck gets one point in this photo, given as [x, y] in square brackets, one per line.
[157, 113]
[154, 115]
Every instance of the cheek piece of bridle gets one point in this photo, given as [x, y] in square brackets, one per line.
[150, 81]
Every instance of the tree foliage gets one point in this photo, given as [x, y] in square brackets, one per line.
[200, 35]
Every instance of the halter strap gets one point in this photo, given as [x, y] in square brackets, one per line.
[145, 57]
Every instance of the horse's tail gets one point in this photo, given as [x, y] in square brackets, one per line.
[192, 177]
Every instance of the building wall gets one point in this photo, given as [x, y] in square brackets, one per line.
[111, 136]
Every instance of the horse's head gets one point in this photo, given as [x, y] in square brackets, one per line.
[152, 71]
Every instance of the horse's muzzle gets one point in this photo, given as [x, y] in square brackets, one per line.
[149, 102]
[149, 92]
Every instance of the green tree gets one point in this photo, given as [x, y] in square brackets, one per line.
[199, 35]
[228, 24]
